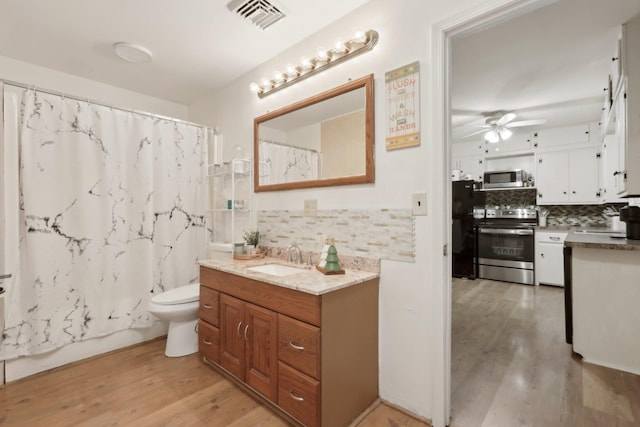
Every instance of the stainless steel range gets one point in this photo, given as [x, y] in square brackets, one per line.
[506, 243]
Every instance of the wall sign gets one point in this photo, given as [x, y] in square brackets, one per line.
[403, 106]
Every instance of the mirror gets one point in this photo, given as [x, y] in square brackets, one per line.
[321, 141]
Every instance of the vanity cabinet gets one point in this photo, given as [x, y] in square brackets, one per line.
[208, 324]
[312, 357]
[248, 348]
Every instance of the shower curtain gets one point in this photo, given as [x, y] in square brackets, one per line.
[111, 212]
[284, 163]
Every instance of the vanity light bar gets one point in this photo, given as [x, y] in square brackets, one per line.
[324, 59]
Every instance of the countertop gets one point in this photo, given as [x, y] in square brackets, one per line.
[576, 239]
[309, 280]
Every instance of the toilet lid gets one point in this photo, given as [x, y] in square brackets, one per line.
[188, 293]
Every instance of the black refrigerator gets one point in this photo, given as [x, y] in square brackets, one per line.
[463, 233]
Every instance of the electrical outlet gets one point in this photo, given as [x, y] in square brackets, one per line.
[311, 207]
[419, 204]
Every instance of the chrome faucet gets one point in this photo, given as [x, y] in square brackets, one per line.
[298, 253]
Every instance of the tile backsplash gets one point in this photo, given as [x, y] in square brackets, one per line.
[369, 233]
[582, 215]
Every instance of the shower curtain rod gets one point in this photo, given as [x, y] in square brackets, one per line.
[101, 104]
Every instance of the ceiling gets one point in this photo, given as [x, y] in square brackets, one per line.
[550, 64]
[198, 46]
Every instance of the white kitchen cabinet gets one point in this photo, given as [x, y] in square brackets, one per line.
[568, 176]
[626, 110]
[564, 135]
[609, 163]
[549, 265]
[519, 142]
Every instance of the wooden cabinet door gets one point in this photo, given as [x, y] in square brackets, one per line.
[232, 343]
[552, 177]
[261, 354]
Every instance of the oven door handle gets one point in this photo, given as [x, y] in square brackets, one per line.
[505, 231]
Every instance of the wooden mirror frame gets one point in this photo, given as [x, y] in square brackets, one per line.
[369, 176]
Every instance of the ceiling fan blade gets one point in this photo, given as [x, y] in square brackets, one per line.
[526, 123]
[506, 118]
[475, 133]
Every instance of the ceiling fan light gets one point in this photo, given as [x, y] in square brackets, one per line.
[505, 133]
[492, 136]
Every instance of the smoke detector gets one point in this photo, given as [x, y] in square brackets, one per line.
[262, 13]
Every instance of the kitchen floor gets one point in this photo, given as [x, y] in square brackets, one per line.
[512, 367]
[139, 386]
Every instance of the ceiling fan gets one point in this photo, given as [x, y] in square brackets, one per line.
[497, 126]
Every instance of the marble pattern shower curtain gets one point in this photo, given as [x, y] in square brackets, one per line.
[112, 209]
[283, 163]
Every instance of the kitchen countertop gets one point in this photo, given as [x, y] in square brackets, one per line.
[576, 239]
[309, 280]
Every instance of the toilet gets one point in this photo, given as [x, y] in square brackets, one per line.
[180, 307]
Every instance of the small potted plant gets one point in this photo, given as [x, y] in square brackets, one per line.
[251, 238]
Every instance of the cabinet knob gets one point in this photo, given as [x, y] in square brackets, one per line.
[207, 306]
[541, 255]
[564, 192]
[246, 328]
[573, 192]
[206, 342]
[614, 59]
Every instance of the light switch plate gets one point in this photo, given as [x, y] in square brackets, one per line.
[419, 204]
[311, 207]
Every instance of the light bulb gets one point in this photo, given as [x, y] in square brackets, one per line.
[266, 84]
[305, 63]
[492, 136]
[278, 77]
[291, 70]
[360, 36]
[322, 54]
[340, 47]
[254, 87]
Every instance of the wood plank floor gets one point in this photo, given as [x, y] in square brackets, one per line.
[512, 367]
[139, 386]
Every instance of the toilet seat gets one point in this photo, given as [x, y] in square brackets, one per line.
[181, 295]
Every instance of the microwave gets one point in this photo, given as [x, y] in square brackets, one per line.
[505, 179]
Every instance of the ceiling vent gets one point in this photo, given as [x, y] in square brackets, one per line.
[262, 13]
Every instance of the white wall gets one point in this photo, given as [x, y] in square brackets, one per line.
[407, 325]
[48, 79]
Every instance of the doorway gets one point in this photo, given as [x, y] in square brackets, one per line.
[443, 39]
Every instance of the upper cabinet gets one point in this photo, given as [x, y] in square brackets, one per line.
[621, 112]
[568, 177]
[563, 136]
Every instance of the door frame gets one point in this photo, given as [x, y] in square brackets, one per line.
[483, 16]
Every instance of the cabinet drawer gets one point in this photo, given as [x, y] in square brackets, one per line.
[299, 345]
[209, 305]
[299, 395]
[209, 341]
[551, 236]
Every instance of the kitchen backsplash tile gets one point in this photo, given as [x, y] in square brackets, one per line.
[367, 233]
[581, 215]
[524, 197]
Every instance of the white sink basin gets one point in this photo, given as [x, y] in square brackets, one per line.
[276, 269]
